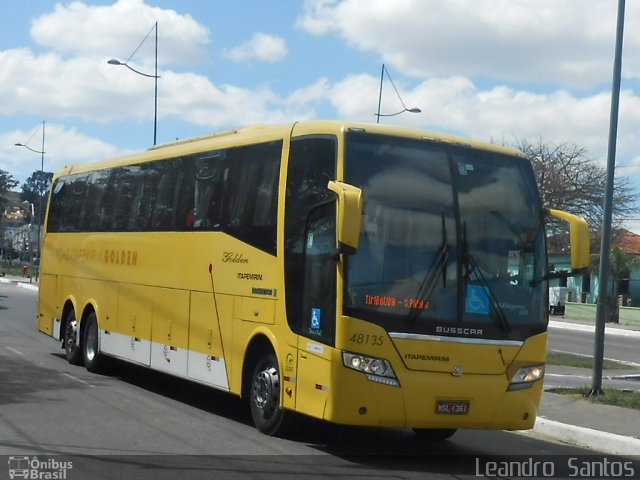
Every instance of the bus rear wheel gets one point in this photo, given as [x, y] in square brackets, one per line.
[434, 434]
[268, 417]
[93, 360]
[72, 339]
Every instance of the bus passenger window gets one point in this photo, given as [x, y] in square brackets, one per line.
[163, 208]
[205, 212]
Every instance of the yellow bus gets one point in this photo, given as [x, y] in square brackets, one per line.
[360, 274]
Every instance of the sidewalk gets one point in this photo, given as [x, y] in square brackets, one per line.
[577, 421]
[603, 428]
[23, 282]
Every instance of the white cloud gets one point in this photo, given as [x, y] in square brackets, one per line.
[90, 89]
[223, 106]
[73, 81]
[63, 146]
[451, 54]
[499, 114]
[54, 87]
[308, 95]
[317, 17]
[116, 30]
[262, 47]
[548, 41]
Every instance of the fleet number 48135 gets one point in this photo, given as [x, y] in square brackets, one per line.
[366, 339]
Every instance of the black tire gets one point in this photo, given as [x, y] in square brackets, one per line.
[71, 339]
[264, 398]
[94, 361]
[434, 434]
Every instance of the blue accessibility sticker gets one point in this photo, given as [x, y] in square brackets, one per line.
[477, 300]
[315, 318]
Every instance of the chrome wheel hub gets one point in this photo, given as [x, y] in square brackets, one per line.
[266, 388]
[72, 335]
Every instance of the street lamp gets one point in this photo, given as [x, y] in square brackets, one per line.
[30, 236]
[404, 107]
[40, 194]
[115, 61]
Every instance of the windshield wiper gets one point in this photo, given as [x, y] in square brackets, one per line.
[428, 284]
[471, 268]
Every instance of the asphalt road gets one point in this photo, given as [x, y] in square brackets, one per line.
[134, 423]
[616, 347]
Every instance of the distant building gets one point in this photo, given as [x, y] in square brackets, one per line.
[584, 288]
[16, 236]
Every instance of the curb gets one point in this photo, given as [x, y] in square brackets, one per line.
[25, 285]
[28, 286]
[587, 437]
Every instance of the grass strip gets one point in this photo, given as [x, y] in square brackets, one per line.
[582, 361]
[610, 396]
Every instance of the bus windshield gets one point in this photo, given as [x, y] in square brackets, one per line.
[452, 240]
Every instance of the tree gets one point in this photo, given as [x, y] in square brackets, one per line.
[7, 182]
[35, 190]
[569, 180]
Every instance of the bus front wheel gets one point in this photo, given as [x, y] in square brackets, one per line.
[268, 417]
[72, 339]
[93, 359]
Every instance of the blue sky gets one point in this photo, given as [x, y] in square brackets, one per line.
[493, 70]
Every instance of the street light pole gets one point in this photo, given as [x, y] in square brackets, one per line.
[40, 194]
[155, 92]
[404, 107]
[380, 94]
[605, 245]
[115, 61]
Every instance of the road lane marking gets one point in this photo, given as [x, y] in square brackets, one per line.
[17, 352]
[565, 375]
[622, 332]
[68, 375]
[585, 355]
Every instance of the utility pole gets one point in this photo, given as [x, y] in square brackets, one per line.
[605, 248]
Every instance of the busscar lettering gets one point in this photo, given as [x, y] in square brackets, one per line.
[121, 257]
[467, 332]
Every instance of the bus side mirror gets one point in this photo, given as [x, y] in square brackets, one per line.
[579, 238]
[349, 215]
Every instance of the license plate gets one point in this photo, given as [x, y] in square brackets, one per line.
[452, 407]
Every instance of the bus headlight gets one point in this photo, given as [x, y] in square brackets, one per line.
[376, 369]
[525, 377]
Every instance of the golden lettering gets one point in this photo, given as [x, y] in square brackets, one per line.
[121, 257]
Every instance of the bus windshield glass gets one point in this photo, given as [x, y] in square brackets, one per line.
[452, 239]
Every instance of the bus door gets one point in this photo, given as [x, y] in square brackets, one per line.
[310, 270]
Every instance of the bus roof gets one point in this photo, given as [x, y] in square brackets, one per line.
[263, 133]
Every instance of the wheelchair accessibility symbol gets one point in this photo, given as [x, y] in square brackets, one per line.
[315, 318]
[477, 301]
